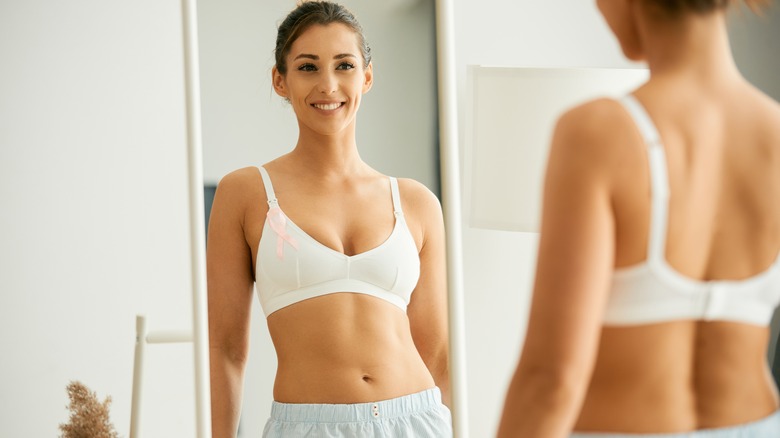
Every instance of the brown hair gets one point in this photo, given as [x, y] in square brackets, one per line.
[704, 6]
[307, 14]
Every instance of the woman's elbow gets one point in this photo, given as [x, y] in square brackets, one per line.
[236, 354]
[550, 384]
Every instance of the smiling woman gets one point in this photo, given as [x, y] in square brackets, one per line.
[324, 84]
[349, 263]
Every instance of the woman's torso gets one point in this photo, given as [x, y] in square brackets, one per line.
[723, 159]
[338, 347]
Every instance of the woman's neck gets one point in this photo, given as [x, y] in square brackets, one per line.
[328, 154]
[693, 45]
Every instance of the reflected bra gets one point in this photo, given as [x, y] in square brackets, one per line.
[292, 266]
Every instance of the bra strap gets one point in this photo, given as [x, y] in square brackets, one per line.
[396, 196]
[269, 188]
[659, 180]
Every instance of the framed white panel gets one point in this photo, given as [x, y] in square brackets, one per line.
[512, 114]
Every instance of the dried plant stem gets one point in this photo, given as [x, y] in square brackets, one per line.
[89, 418]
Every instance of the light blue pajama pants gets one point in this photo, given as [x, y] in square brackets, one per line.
[768, 427]
[416, 415]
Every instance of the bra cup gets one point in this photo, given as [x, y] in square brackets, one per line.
[374, 271]
[399, 277]
[408, 267]
[315, 265]
[273, 271]
[390, 271]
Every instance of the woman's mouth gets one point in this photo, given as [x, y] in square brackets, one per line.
[328, 106]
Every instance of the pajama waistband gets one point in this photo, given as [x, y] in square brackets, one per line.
[768, 427]
[357, 412]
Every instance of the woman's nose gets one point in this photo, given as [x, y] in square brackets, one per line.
[328, 83]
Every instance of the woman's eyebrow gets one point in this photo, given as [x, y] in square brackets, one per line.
[307, 56]
[317, 58]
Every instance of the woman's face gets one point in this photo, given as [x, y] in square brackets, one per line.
[325, 78]
[619, 15]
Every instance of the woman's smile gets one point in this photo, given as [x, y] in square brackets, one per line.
[330, 106]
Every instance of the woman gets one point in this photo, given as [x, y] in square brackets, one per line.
[658, 265]
[349, 264]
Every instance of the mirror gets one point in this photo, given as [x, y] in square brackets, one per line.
[246, 124]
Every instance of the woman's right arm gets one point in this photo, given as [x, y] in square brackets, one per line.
[230, 280]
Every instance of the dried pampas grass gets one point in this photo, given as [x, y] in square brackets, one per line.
[88, 416]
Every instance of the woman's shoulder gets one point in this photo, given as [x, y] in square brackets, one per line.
[240, 184]
[597, 117]
[240, 177]
[763, 108]
[595, 131]
[417, 192]
[418, 200]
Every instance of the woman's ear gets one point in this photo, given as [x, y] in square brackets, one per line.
[279, 85]
[369, 80]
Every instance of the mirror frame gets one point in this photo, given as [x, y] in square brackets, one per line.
[451, 199]
[197, 219]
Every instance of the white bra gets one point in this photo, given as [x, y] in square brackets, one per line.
[292, 266]
[653, 291]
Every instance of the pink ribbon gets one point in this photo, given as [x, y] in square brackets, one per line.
[278, 222]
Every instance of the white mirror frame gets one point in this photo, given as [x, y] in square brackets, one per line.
[197, 221]
[451, 196]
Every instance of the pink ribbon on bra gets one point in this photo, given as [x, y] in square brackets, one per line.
[278, 222]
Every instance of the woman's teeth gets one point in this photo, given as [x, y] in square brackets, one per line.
[327, 106]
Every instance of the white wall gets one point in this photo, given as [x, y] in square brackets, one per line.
[498, 266]
[246, 124]
[93, 222]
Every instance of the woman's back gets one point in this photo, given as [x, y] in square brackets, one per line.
[722, 151]
[721, 143]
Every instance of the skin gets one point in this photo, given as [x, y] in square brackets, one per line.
[722, 142]
[342, 347]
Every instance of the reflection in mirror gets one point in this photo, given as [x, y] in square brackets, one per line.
[333, 210]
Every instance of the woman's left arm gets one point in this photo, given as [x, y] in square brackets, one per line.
[574, 264]
[427, 310]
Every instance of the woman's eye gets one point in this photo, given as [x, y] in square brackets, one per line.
[345, 66]
[307, 67]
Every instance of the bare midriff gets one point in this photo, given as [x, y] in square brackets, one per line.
[345, 348]
[677, 377]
